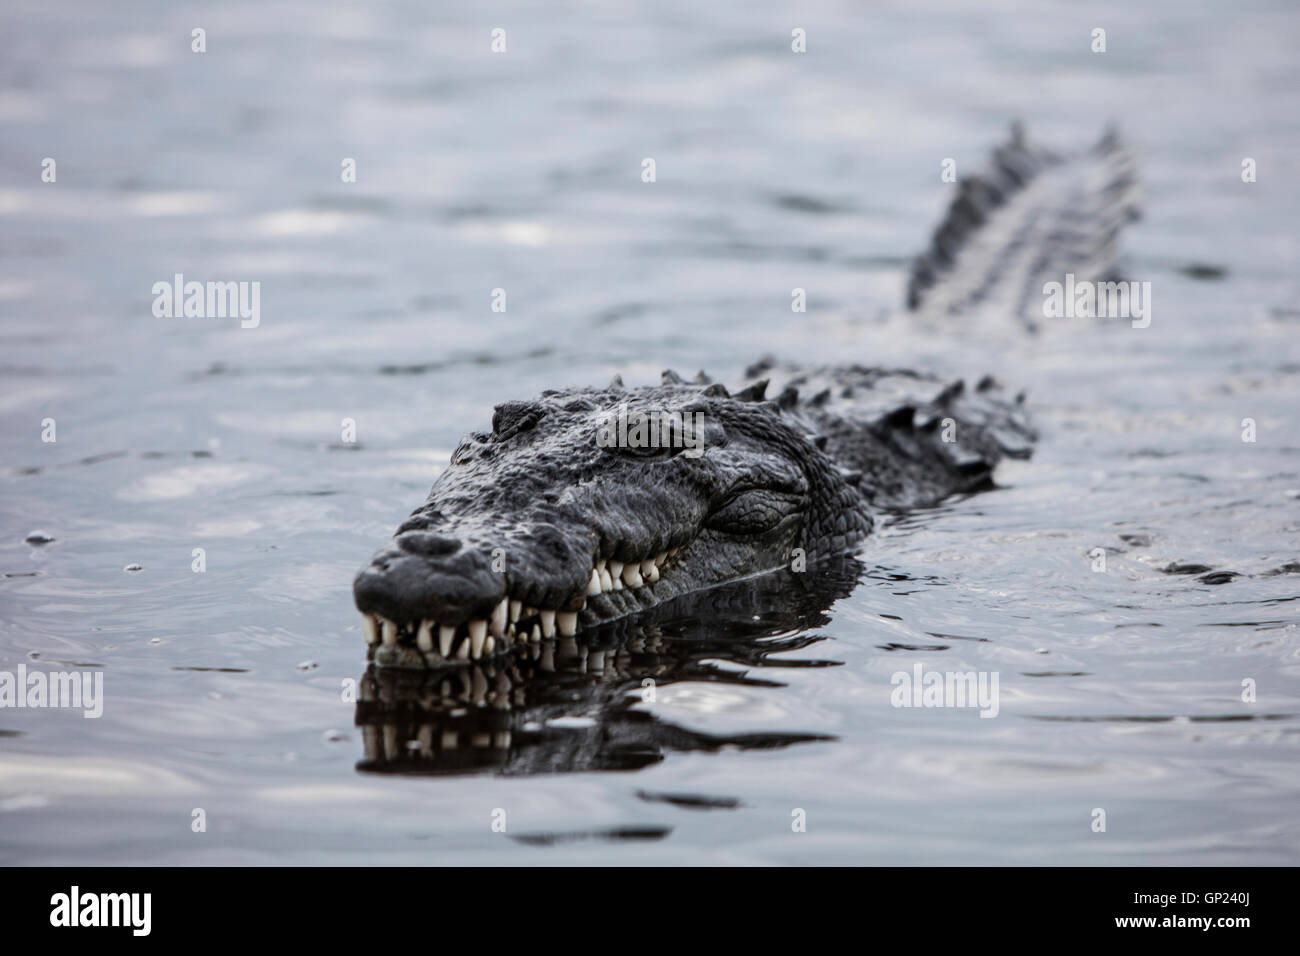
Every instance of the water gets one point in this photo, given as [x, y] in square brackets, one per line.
[1120, 690]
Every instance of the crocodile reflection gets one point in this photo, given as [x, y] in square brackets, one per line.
[575, 704]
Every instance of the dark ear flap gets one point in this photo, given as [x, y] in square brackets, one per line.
[512, 416]
[754, 393]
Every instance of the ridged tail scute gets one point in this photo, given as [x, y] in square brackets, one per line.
[903, 439]
[1031, 218]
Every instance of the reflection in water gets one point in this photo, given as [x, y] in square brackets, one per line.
[571, 704]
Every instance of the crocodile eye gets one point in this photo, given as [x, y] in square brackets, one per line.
[659, 435]
[753, 511]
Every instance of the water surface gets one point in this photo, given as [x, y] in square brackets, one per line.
[1120, 690]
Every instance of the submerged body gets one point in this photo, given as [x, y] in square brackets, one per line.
[562, 517]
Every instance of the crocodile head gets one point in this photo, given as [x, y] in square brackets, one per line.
[587, 505]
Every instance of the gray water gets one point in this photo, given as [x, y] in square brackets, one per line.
[1120, 689]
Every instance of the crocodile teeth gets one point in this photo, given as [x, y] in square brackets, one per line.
[370, 628]
[477, 635]
[499, 628]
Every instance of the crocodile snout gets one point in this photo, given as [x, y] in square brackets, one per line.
[423, 575]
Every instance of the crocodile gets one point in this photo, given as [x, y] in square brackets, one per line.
[587, 505]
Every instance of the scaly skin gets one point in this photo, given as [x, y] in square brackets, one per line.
[538, 528]
[779, 482]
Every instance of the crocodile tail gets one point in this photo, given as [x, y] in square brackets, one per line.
[1031, 218]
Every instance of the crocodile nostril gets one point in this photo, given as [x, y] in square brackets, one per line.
[422, 520]
[427, 543]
